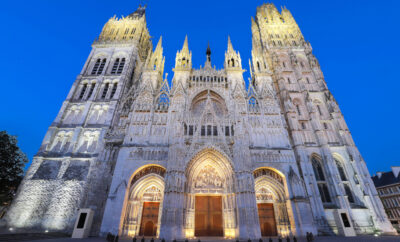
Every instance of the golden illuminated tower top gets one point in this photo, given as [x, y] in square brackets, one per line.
[128, 30]
[276, 29]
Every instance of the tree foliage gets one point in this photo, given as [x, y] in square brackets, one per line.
[12, 162]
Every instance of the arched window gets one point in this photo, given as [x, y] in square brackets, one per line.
[233, 62]
[321, 183]
[91, 90]
[121, 66]
[340, 168]
[101, 67]
[115, 66]
[96, 67]
[114, 90]
[258, 66]
[318, 171]
[289, 81]
[163, 101]
[83, 90]
[308, 80]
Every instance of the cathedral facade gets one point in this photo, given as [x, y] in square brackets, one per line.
[203, 155]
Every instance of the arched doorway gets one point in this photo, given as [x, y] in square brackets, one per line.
[209, 199]
[271, 202]
[143, 205]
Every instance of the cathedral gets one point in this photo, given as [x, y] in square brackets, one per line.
[205, 154]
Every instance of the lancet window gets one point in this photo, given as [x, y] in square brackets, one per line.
[163, 102]
[321, 182]
[118, 66]
[114, 90]
[345, 181]
[99, 66]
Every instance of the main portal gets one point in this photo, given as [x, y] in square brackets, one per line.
[208, 216]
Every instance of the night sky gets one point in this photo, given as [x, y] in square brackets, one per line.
[45, 44]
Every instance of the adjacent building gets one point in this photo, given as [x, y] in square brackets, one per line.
[388, 186]
[204, 154]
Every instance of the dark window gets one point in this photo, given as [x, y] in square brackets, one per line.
[185, 129]
[81, 221]
[324, 192]
[121, 66]
[96, 67]
[101, 67]
[115, 66]
[303, 125]
[190, 129]
[232, 131]
[345, 220]
[226, 130]
[203, 130]
[325, 126]
[215, 131]
[83, 91]
[349, 193]
[288, 79]
[308, 80]
[113, 90]
[318, 171]
[91, 90]
[105, 90]
[208, 130]
[342, 173]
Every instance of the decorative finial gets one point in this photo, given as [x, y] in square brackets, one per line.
[208, 52]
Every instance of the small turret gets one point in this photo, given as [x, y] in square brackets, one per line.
[232, 58]
[183, 60]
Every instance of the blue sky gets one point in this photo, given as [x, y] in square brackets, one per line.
[45, 44]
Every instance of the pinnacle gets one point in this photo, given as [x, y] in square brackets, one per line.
[159, 45]
[185, 44]
[230, 47]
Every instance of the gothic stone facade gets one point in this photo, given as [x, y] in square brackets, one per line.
[204, 155]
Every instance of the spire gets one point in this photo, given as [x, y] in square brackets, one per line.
[156, 60]
[159, 46]
[185, 45]
[232, 58]
[230, 47]
[183, 60]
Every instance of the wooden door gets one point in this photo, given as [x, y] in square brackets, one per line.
[208, 216]
[267, 219]
[148, 226]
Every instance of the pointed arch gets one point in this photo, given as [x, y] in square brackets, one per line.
[320, 177]
[146, 187]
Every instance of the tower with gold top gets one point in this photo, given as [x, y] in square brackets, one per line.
[204, 154]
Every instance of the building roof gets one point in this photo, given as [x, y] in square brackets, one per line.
[385, 179]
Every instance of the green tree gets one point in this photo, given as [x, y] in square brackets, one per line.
[12, 162]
